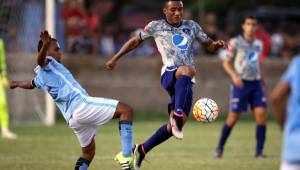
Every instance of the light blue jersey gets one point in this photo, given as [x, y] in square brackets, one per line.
[291, 147]
[61, 85]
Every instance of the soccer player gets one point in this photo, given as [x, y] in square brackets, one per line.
[243, 66]
[4, 116]
[174, 37]
[290, 122]
[83, 113]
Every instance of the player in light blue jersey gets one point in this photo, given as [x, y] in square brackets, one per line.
[174, 37]
[248, 85]
[289, 118]
[83, 113]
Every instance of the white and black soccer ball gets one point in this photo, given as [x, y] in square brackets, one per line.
[205, 110]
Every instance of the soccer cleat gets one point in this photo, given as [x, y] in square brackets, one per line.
[219, 153]
[176, 131]
[7, 134]
[137, 157]
[125, 162]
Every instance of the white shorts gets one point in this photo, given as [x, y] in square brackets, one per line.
[89, 115]
[290, 166]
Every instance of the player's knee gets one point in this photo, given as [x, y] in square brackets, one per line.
[89, 153]
[185, 71]
[127, 111]
[232, 119]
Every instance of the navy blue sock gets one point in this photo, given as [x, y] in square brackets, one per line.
[260, 138]
[183, 89]
[161, 135]
[82, 164]
[125, 128]
[224, 136]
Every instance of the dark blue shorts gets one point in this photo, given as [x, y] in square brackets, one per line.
[168, 81]
[252, 93]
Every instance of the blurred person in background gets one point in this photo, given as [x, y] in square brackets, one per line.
[248, 86]
[174, 37]
[262, 34]
[288, 117]
[4, 115]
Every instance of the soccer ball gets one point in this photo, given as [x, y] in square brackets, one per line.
[205, 110]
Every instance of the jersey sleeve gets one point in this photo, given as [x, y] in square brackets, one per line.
[231, 49]
[148, 31]
[37, 82]
[200, 34]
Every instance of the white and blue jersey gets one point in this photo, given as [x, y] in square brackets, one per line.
[246, 64]
[246, 57]
[175, 43]
[66, 92]
[291, 146]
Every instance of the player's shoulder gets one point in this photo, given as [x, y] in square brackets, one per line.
[190, 23]
[296, 59]
[258, 42]
[235, 40]
[156, 22]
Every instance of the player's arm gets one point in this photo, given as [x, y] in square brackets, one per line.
[46, 39]
[279, 99]
[213, 46]
[21, 84]
[207, 42]
[228, 67]
[131, 44]
[228, 64]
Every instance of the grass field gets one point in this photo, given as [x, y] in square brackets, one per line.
[41, 148]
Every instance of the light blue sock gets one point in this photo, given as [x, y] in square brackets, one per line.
[82, 164]
[125, 128]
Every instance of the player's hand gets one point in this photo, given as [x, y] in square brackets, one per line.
[110, 64]
[218, 44]
[46, 38]
[238, 82]
[13, 84]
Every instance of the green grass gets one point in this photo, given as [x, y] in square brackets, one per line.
[57, 148]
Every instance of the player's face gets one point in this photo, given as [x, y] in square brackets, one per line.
[249, 26]
[54, 50]
[173, 12]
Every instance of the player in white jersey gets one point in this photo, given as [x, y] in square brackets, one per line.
[242, 65]
[83, 113]
[174, 37]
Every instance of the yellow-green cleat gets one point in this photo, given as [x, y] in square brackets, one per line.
[125, 162]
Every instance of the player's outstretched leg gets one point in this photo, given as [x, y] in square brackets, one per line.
[183, 99]
[87, 156]
[226, 130]
[125, 115]
[139, 151]
[260, 131]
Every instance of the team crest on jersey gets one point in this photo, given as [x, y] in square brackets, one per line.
[186, 31]
[180, 41]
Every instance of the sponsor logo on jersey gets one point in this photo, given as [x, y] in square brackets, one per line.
[180, 41]
[252, 57]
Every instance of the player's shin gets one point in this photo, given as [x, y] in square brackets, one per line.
[183, 94]
[125, 128]
[82, 164]
[260, 139]
[226, 130]
[161, 135]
